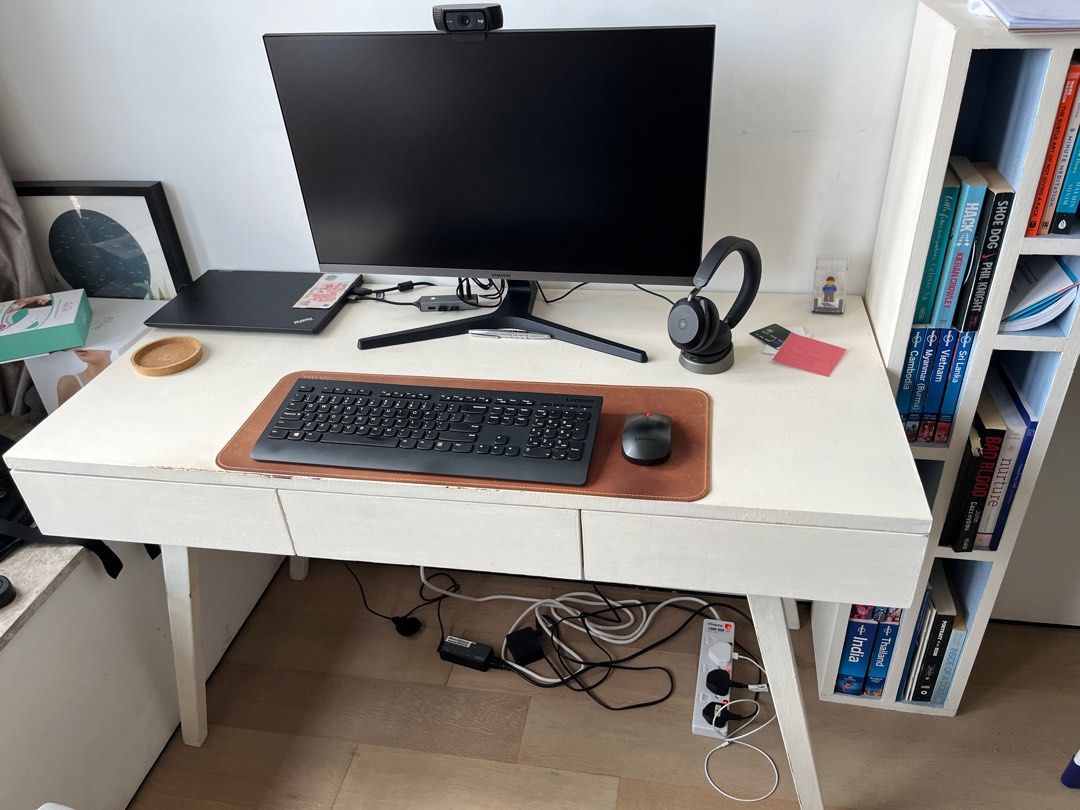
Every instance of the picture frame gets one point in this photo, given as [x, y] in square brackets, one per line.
[114, 239]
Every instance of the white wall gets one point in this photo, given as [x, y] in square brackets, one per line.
[87, 689]
[805, 105]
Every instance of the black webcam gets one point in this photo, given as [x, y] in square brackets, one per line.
[468, 18]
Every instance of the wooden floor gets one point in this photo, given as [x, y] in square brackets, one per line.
[318, 704]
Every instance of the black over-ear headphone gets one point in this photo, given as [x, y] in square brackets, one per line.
[694, 323]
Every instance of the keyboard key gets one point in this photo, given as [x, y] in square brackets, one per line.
[483, 449]
[288, 424]
[497, 449]
[425, 444]
[278, 433]
[500, 439]
[573, 455]
[465, 427]
[461, 447]
[442, 445]
[450, 436]
[305, 388]
[512, 451]
[536, 452]
[312, 437]
[407, 444]
[366, 441]
[296, 435]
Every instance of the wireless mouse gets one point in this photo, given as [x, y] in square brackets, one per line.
[646, 438]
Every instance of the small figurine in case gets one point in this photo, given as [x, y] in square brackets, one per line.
[830, 285]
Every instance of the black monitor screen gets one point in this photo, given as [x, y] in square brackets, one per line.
[528, 154]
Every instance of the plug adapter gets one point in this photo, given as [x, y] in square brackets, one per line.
[524, 646]
[467, 653]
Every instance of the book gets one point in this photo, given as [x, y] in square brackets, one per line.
[43, 323]
[907, 375]
[1069, 200]
[972, 483]
[922, 384]
[1068, 143]
[950, 193]
[939, 380]
[888, 627]
[1024, 412]
[855, 658]
[957, 637]
[949, 403]
[913, 647]
[958, 252]
[1042, 288]
[924, 639]
[940, 628]
[1053, 149]
[995, 399]
[1035, 15]
[984, 258]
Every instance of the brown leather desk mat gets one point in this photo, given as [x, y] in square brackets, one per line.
[684, 477]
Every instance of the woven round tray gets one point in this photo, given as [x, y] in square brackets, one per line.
[167, 356]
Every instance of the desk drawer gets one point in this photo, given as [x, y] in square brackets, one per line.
[805, 562]
[412, 531]
[139, 511]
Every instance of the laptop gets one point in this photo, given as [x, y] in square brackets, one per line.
[247, 301]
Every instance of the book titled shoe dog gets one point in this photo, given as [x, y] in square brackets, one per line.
[43, 323]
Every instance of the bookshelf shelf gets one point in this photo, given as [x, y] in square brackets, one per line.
[974, 89]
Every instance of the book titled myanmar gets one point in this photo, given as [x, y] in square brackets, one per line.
[951, 400]
[939, 237]
[984, 257]
[888, 626]
[921, 386]
[855, 657]
[958, 252]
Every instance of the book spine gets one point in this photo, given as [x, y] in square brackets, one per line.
[949, 403]
[995, 218]
[924, 304]
[907, 375]
[916, 633]
[1069, 201]
[1053, 150]
[999, 485]
[975, 501]
[922, 384]
[939, 380]
[855, 660]
[948, 665]
[1068, 142]
[932, 658]
[1014, 483]
[958, 255]
[880, 658]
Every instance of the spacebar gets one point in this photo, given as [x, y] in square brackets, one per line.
[352, 438]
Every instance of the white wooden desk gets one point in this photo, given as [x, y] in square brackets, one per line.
[814, 491]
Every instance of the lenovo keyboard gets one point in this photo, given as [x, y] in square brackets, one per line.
[432, 430]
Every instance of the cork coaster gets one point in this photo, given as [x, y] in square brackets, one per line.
[167, 356]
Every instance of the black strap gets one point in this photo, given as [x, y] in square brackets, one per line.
[30, 534]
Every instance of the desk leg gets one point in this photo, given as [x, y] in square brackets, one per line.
[779, 661]
[298, 567]
[791, 613]
[185, 620]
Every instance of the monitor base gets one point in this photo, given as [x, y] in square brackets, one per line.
[515, 312]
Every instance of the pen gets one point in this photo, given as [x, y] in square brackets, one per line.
[514, 334]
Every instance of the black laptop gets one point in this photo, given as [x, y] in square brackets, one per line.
[247, 301]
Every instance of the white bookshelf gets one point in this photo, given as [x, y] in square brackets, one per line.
[971, 88]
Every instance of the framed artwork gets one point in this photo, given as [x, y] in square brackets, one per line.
[114, 240]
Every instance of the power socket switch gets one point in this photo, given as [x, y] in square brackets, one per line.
[717, 641]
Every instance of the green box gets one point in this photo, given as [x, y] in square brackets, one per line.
[26, 330]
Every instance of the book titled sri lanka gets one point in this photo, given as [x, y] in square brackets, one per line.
[921, 385]
[939, 237]
[942, 619]
[888, 627]
[907, 374]
[855, 657]
[993, 220]
[951, 400]
[939, 380]
[1053, 149]
[958, 252]
[1031, 422]
[41, 324]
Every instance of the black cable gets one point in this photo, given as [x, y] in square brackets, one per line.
[363, 595]
[654, 292]
[405, 624]
[494, 292]
[558, 297]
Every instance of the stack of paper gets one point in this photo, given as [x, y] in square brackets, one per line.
[1034, 15]
[1042, 288]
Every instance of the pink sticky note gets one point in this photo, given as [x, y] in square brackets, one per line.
[811, 355]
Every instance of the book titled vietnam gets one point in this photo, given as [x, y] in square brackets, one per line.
[987, 247]
[855, 657]
[939, 380]
[949, 403]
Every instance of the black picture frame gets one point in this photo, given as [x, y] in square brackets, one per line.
[152, 192]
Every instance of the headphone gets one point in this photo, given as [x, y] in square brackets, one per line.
[694, 323]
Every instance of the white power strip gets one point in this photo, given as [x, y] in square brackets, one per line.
[717, 641]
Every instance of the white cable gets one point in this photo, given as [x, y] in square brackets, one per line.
[738, 739]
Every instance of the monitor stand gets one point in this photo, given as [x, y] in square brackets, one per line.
[515, 312]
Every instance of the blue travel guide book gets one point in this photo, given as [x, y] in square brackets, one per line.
[939, 237]
[939, 380]
[907, 374]
[855, 658]
[888, 628]
[949, 403]
[958, 253]
[922, 384]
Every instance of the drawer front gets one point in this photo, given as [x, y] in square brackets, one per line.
[446, 534]
[804, 562]
[138, 511]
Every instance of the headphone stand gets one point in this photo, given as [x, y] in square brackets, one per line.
[514, 312]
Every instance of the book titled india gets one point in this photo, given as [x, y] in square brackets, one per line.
[939, 380]
[984, 257]
[855, 657]
[961, 354]
[958, 251]
[939, 237]
[907, 374]
[1053, 149]
[922, 384]
[888, 626]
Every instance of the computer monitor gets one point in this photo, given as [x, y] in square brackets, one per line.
[575, 155]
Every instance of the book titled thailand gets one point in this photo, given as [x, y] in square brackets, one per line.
[888, 626]
[855, 657]
[43, 323]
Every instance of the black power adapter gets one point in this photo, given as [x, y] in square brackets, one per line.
[524, 646]
[470, 654]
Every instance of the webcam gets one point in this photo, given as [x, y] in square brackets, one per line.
[468, 18]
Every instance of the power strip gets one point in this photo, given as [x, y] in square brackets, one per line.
[714, 635]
